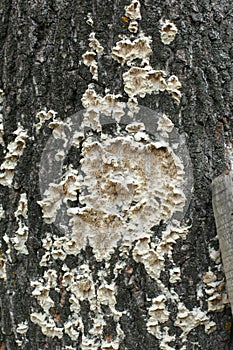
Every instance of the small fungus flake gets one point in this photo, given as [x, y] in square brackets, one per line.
[168, 32]
[133, 10]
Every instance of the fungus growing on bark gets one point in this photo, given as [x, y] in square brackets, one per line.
[15, 150]
[1, 118]
[133, 10]
[168, 32]
[126, 51]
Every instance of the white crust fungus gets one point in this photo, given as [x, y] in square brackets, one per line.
[157, 314]
[168, 32]
[175, 275]
[216, 292]
[89, 57]
[126, 194]
[89, 20]
[133, 10]
[22, 328]
[47, 325]
[229, 155]
[173, 87]
[126, 51]
[57, 193]
[22, 206]
[96, 105]
[20, 238]
[94, 44]
[2, 266]
[1, 118]
[141, 81]
[15, 150]
[43, 116]
[89, 61]
[126, 184]
[188, 320]
[2, 212]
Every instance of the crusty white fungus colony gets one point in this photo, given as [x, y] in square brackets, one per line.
[21, 234]
[126, 183]
[14, 152]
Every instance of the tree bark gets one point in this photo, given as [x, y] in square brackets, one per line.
[41, 66]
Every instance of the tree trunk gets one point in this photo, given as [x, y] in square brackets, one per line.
[109, 145]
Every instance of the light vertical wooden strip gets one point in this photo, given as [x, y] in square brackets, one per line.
[222, 198]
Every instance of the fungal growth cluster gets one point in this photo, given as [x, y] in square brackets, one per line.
[21, 235]
[14, 152]
[126, 183]
[168, 31]
[133, 178]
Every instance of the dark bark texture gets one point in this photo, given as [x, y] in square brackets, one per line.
[41, 47]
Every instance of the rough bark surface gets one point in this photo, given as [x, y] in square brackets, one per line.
[42, 43]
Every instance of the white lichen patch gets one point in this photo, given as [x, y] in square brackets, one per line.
[126, 51]
[14, 151]
[168, 31]
[133, 10]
